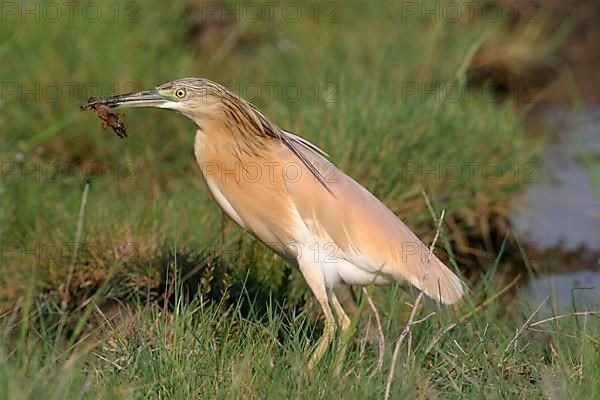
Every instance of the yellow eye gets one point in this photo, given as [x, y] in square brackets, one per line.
[180, 93]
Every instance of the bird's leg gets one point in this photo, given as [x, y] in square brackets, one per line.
[314, 277]
[328, 334]
[345, 337]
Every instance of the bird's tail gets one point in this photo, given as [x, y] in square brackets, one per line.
[438, 282]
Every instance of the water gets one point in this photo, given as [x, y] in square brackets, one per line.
[562, 209]
[570, 291]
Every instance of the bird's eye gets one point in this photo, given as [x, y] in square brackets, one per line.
[180, 93]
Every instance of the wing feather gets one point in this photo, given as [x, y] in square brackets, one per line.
[368, 234]
[306, 143]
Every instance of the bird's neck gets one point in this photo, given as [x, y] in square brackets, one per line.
[239, 127]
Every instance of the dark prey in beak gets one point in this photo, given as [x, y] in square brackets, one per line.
[104, 112]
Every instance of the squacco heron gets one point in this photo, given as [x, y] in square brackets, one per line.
[282, 189]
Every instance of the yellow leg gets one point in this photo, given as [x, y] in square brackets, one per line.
[313, 274]
[324, 342]
[345, 325]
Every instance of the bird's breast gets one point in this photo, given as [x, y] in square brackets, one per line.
[251, 190]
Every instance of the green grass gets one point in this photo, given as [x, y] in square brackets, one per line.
[244, 324]
[200, 349]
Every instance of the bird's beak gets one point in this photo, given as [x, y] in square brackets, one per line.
[147, 98]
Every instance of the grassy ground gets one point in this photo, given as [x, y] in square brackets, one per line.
[370, 85]
[201, 350]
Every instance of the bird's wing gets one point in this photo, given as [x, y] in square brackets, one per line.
[366, 233]
[305, 143]
[301, 152]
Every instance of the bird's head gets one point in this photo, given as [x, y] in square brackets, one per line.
[198, 99]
